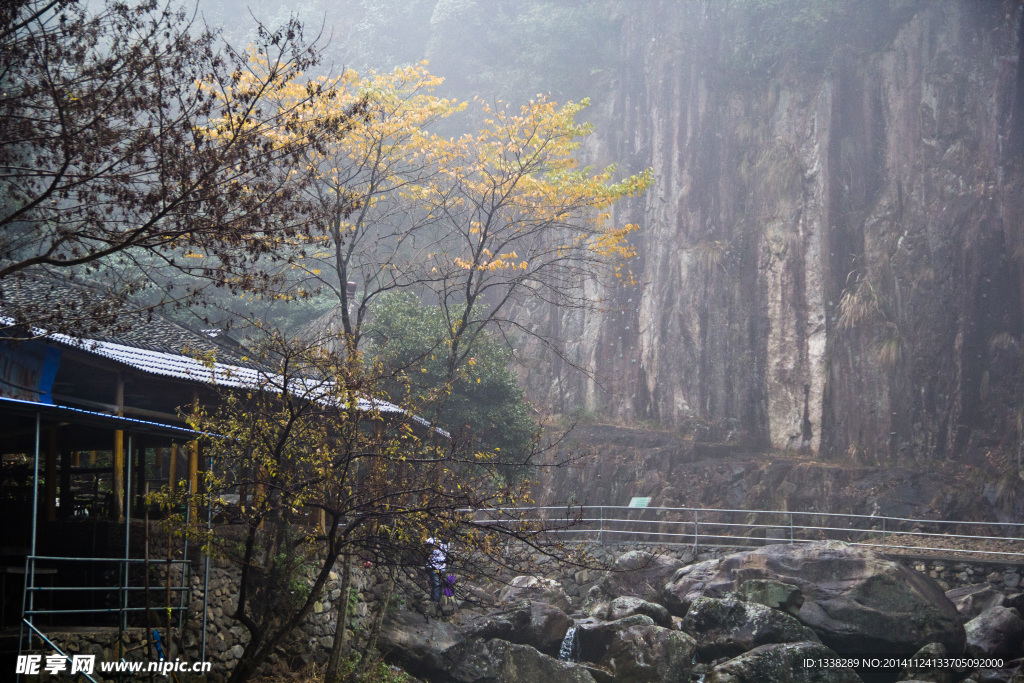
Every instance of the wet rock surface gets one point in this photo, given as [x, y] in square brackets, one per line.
[854, 600]
[729, 627]
[628, 606]
[537, 589]
[537, 624]
[498, 661]
[635, 574]
[781, 663]
[929, 674]
[646, 652]
[972, 600]
[688, 584]
[774, 594]
[703, 626]
[996, 632]
[419, 644]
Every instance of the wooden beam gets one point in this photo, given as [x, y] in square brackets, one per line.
[120, 410]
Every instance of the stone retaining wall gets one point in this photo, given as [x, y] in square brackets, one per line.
[225, 637]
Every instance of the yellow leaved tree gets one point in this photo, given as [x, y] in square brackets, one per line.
[518, 217]
[473, 223]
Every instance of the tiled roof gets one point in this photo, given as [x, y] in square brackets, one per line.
[151, 343]
[168, 364]
[130, 326]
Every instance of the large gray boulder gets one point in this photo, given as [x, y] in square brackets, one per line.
[498, 661]
[687, 584]
[635, 574]
[781, 663]
[929, 674]
[726, 627]
[594, 638]
[537, 624]
[972, 600]
[635, 650]
[535, 589]
[627, 606]
[854, 600]
[417, 643]
[996, 632]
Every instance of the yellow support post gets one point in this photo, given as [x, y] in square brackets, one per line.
[172, 469]
[119, 453]
[193, 478]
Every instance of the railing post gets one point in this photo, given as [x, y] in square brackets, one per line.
[600, 534]
[883, 535]
[695, 525]
[791, 538]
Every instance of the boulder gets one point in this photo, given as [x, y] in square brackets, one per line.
[854, 600]
[474, 596]
[728, 627]
[638, 651]
[635, 574]
[687, 584]
[972, 600]
[417, 643]
[626, 606]
[501, 624]
[781, 663]
[996, 632]
[929, 675]
[498, 661]
[990, 676]
[546, 629]
[775, 594]
[594, 638]
[1015, 600]
[536, 589]
[537, 624]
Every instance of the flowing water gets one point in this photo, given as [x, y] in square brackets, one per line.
[570, 646]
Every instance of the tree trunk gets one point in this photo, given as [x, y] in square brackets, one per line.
[371, 641]
[333, 672]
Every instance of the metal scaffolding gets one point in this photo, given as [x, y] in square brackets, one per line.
[30, 610]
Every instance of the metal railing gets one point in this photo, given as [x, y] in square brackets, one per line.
[717, 528]
[121, 588]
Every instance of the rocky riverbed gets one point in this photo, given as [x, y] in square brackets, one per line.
[778, 613]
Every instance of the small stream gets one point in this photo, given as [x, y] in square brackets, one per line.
[570, 650]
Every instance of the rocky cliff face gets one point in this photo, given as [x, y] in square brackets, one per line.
[833, 255]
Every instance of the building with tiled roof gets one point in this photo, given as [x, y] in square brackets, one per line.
[92, 414]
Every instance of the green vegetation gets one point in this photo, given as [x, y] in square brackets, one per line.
[485, 403]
